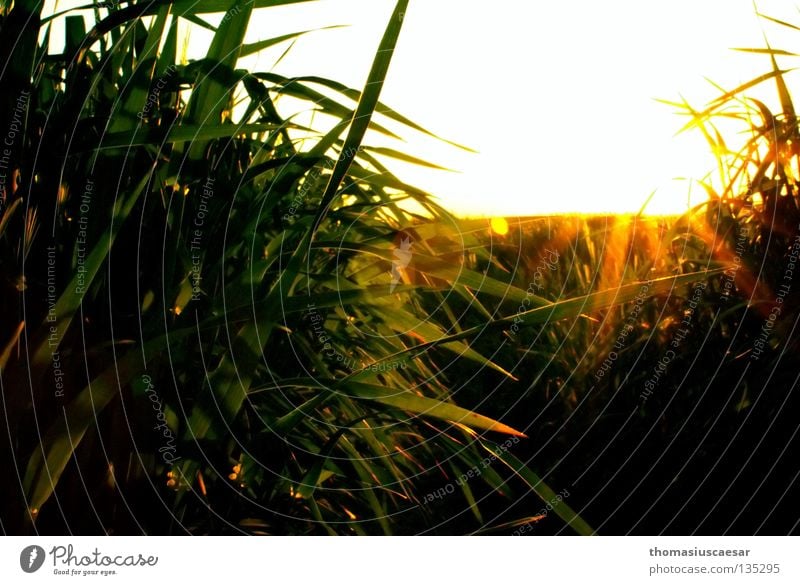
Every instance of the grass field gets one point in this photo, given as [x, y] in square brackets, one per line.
[671, 389]
[219, 321]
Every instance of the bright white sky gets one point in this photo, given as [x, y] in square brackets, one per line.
[557, 96]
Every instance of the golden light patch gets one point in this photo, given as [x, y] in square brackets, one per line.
[499, 226]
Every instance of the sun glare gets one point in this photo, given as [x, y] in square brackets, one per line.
[499, 225]
[578, 130]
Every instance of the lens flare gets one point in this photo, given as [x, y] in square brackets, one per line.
[499, 226]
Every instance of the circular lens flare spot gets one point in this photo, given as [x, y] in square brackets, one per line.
[499, 226]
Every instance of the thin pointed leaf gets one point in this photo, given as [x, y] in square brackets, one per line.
[544, 491]
[415, 404]
[365, 108]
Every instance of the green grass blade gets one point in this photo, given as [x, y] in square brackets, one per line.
[251, 48]
[136, 91]
[402, 156]
[421, 405]
[366, 107]
[381, 108]
[210, 96]
[544, 491]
